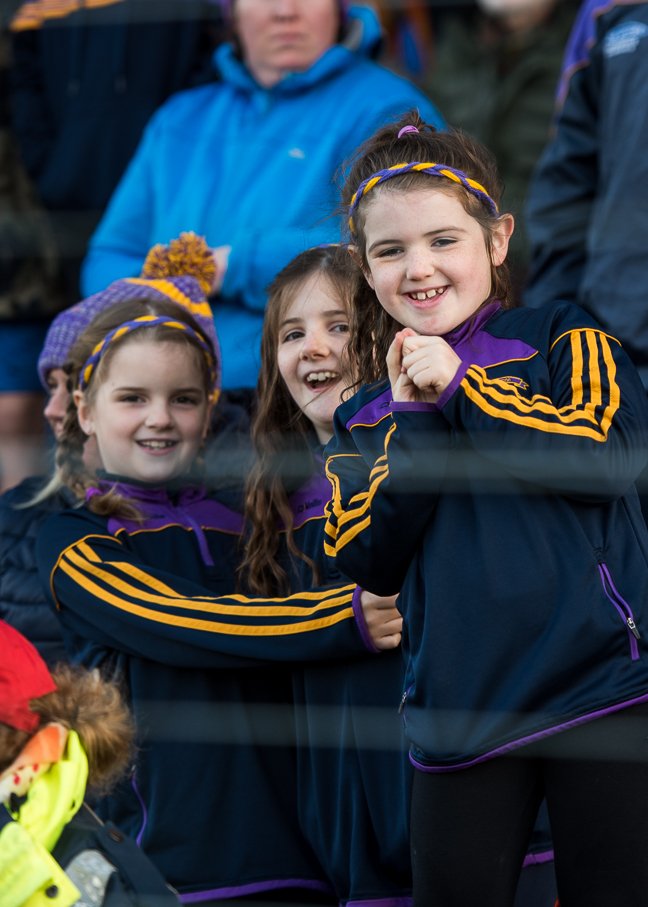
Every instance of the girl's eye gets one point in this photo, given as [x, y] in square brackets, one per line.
[187, 400]
[131, 398]
[341, 328]
[443, 241]
[292, 335]
[389, 253]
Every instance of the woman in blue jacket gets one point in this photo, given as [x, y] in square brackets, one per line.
[249, 161]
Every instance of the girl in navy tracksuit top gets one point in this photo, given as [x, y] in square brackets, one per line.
[353, 774]
[354, 777]
[142, 574]
[487, 473]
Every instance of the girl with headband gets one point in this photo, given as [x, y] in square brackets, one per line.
[354, 777]
[143, 574]
[485, 470]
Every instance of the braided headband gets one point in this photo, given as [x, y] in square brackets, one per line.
[144, 321]
[457, 176]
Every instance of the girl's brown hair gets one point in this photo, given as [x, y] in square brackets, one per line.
[71, 470]
[282, 434]
[93, 707]
[453, 148]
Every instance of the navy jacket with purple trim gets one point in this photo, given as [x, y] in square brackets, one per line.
[507, 515]
[213, 794]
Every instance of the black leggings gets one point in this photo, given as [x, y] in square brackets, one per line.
[470, 828]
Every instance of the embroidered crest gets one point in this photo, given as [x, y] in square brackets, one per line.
[514, 379]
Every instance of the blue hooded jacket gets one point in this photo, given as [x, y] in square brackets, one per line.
[253, 168]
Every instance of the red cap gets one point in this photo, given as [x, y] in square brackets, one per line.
[23, 676]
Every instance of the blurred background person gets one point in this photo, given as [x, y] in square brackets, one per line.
[79, 82]
[494, 72]
[30, 293]
[588, 206]
[249, 161]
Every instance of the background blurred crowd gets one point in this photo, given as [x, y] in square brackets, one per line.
[78, 92]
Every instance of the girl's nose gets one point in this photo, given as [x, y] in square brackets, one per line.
[158, 416]
[314, 345]
[56, 406]
[419, 265]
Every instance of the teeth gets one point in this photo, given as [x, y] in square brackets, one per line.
[157, 445]
[430, 294]
[321, 376]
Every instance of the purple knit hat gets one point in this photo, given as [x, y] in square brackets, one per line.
[182, 272]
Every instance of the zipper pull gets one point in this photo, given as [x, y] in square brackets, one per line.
[402, 702]
[633, 628]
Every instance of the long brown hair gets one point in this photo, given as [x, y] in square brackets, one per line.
[282, 434]
[93, 707]
[368, 347]
[71, 470]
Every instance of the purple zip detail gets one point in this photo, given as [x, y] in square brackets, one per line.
[202, 541]
[537, 859]
[140, 800]
[623, 608]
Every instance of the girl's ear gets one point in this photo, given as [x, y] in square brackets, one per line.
[500, 238]
[83, 412]
[357, 257]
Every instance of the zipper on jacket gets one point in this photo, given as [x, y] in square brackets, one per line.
[403, 701]
[623, 608]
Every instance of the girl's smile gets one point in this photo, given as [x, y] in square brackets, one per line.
[428, 260]
[312, 336]
[150, 412]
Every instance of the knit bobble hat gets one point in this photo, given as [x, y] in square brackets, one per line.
[23, 676]
[183, 272]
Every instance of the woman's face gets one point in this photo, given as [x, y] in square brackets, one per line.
[283, 36]
[312, 336]
[57, 401]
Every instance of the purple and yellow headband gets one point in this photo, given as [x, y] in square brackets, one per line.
[451, 173]
[146, 321]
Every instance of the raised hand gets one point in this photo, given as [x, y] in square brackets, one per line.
[429, 363]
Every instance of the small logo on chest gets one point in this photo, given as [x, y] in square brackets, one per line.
[514, 379]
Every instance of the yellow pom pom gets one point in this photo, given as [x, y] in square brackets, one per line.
[188, 255]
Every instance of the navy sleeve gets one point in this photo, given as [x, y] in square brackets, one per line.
[105, 593]
[378, 511]
[587, 437]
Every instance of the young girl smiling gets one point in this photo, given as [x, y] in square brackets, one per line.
[143, 573]
[486, 472]
[353, 774]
